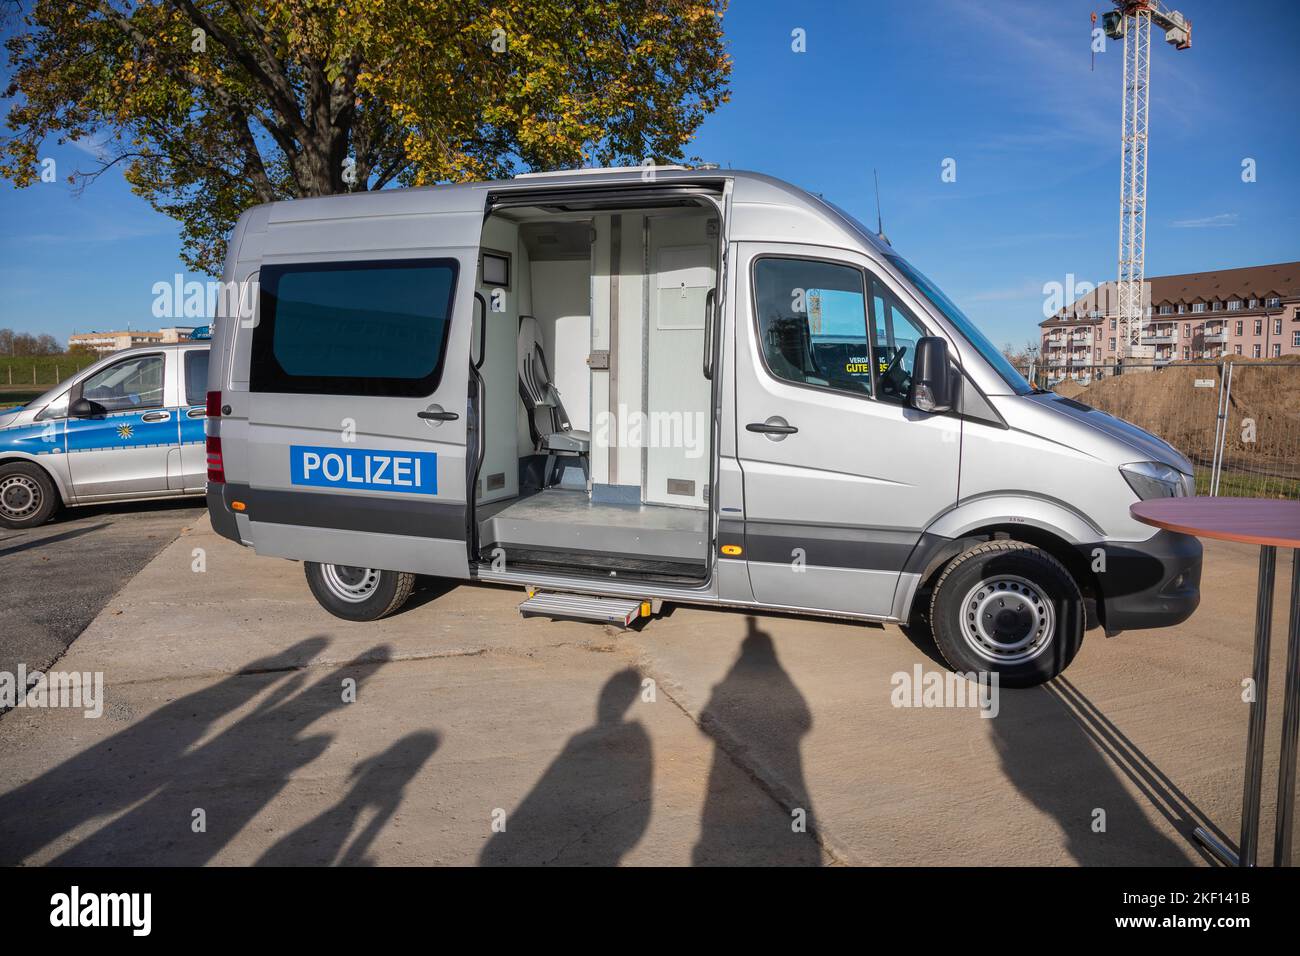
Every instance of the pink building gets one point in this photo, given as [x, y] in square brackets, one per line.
[1252, 313]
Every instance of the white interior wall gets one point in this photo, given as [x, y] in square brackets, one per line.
[562, 306]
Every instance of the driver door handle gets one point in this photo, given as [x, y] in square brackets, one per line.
[766, 429]
[439, 416]
[155, 416]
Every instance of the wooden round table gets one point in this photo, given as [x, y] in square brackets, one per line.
[1271, 524]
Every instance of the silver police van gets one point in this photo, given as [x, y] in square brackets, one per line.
[618, 388]
[128, 427]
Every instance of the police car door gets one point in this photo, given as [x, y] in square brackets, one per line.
[120, 428]
[358, 379]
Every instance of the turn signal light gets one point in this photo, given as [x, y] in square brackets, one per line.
[731, 550]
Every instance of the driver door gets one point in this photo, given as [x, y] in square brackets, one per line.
[840, 477]
[122, 451]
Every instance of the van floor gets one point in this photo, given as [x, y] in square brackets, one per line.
[563, 527]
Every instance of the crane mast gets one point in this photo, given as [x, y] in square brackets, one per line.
[1132, 20]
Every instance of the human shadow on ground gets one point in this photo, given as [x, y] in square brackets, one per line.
[592, 804]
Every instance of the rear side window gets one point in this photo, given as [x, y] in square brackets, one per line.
[812, 322]
[196, 377]
[353, 328]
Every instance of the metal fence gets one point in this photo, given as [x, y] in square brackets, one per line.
[1237, 421]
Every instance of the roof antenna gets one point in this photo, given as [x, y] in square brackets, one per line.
[880, 224]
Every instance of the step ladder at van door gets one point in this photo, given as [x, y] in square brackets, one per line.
[619, 611]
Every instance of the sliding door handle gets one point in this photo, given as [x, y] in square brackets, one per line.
[438, 416]
[778, 427]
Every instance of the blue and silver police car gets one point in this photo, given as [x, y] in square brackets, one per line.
[128, 427]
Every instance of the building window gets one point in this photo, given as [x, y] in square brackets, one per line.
[1234, 305]
[1277, 350]
[1198, 306]
[1277, 326]
[1112, 325]
[1259, 326]
[1216, 306]
[1111, 346]
[1239, 326]
[1166, 309]
[1181, 308]
[1237, 349]
[1254, 350]
[1295, 338]
[1187, 351]
[1274, 302]
[1254, 303]
[1187, 330]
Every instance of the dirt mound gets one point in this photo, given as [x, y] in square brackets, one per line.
[1180, 404]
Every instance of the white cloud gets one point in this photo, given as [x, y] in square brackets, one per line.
[1207, 222]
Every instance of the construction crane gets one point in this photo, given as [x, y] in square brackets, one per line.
[1131, 20]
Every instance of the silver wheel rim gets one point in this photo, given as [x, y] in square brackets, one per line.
[348, 583]
[1007, 620]
[20, 497]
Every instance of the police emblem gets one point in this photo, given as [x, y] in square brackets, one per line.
[124, 431]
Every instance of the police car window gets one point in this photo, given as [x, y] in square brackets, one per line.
[353, 328]
[812, 322]
[196, 377]
[130, 384]
[895, 334]
[54, 410]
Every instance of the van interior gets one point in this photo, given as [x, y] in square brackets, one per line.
[592, 399]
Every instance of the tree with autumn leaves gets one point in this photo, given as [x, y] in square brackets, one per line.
[212, 106]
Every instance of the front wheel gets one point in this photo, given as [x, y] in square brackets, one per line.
[1010, 608]
[358, 594]
[27, 495]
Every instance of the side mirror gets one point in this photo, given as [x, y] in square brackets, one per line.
[934, 388]
[85, 408]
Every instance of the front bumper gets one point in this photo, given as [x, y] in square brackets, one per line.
[1153, 583]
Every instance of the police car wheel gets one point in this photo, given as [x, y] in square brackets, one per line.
[27, 495]
[1008, 608]
[358, 594]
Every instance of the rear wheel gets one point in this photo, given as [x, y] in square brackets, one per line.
[358, 594]
[27, 495]
[1010, 608]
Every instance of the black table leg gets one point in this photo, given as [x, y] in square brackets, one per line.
[1290, 725]
[1255, 732]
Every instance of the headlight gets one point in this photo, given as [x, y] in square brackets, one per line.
[1150, 479]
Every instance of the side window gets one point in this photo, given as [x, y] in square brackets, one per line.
[353, 328]
[894, 335]
[812, 323]
[196, 377]
[131, 384]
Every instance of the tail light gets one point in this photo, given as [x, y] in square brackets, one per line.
[214, 404]
[216, 468]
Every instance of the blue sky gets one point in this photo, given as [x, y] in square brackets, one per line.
[1002, 87]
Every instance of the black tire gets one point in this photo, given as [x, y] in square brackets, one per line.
[358, 594]
[28, 496]
[1009, 608]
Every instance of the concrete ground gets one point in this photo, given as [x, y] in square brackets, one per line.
[231, 736]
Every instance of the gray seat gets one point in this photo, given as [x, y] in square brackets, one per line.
[552, 433]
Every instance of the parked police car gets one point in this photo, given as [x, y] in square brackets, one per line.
[130, 426]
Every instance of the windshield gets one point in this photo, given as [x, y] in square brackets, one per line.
[965, 326]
